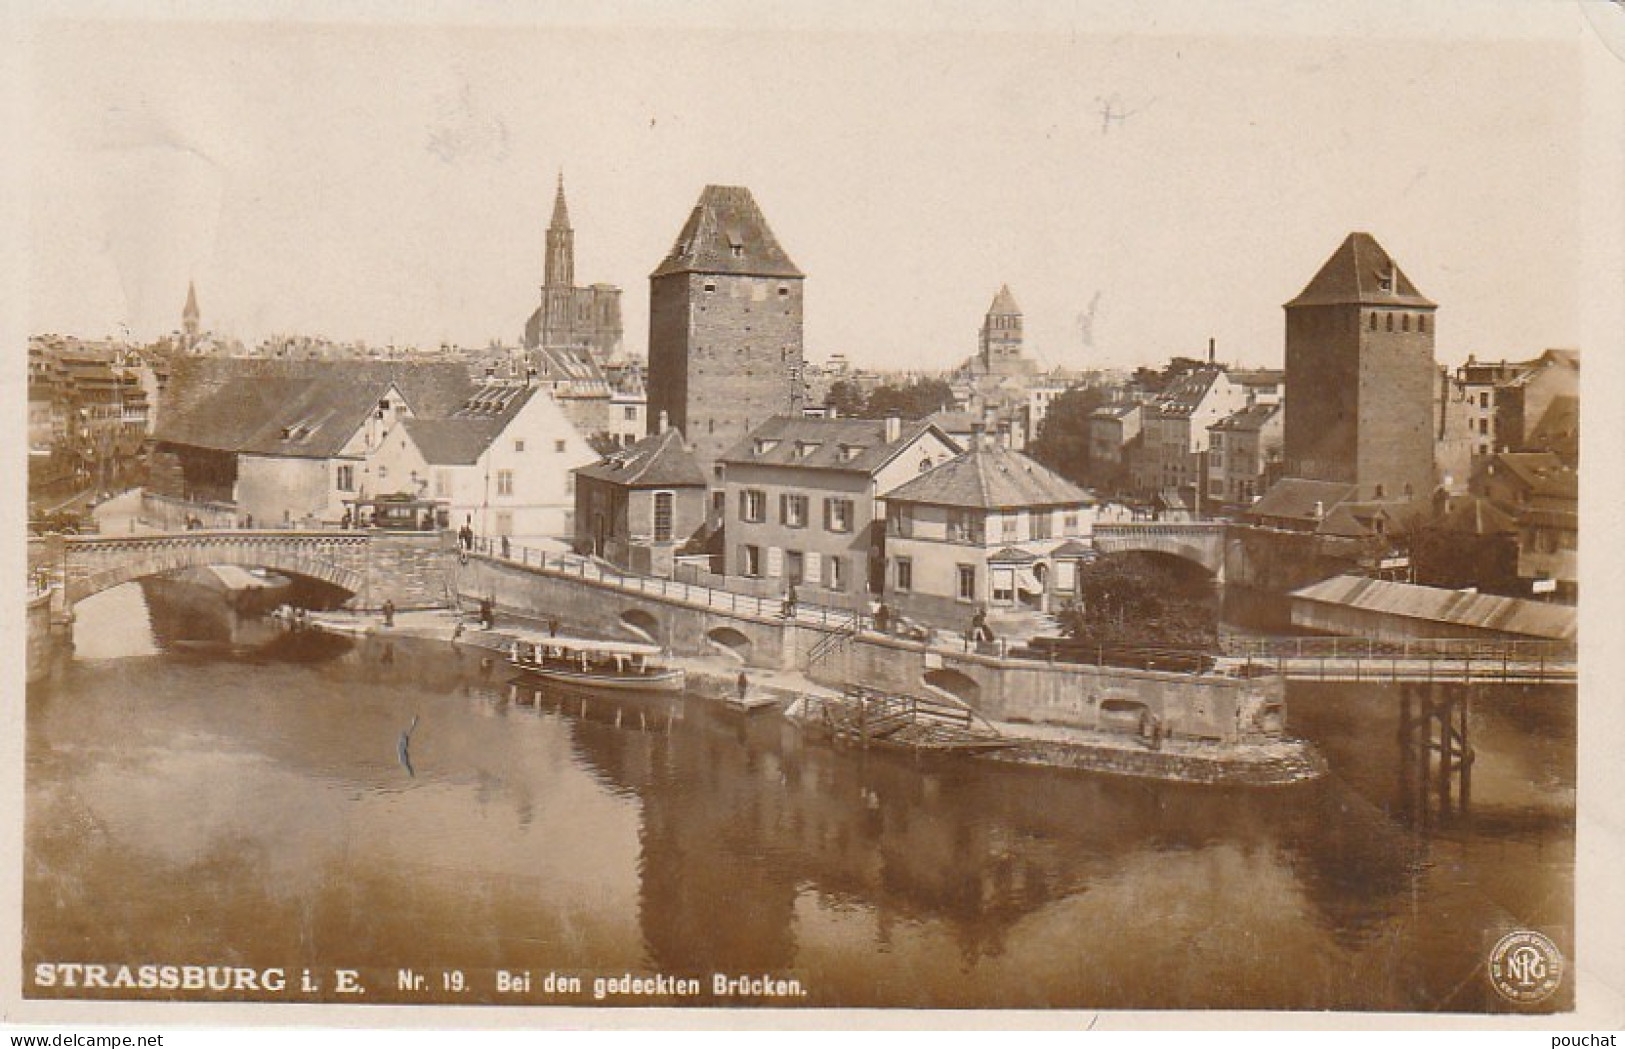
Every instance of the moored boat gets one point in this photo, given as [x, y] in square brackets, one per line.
[615, 665]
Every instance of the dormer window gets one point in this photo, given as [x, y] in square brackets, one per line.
[765, 445]
[850, 452]
[806, 448]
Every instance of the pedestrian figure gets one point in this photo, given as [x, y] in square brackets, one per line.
[466, 534]
[505, 548]
[346, 520]
[553, 627]
[882, 618]
[389, 612]
[789, 609]
[744, 685]
[487, 613]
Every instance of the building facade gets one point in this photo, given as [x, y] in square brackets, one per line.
[638, 507]
[989, 529]
[1360, 376]
[1244, 454]
[803, 507]
[725, 327]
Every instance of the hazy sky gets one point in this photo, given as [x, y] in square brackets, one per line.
[1139, 190]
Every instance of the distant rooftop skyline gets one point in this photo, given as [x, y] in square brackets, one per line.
[1138, 194]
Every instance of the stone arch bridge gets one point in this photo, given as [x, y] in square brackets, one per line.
[1201, 542]
[405, 568]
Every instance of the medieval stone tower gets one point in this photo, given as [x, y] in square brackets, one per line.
[1001, 342]
[725, 309]
[1360, 376]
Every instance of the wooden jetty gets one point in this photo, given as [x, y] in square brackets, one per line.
[867, 717]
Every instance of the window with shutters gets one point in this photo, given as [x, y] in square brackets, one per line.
[905, 573]
[750, 561]
[753, 505]
[793, 510]
[1043, 524]
[838, 515]
[664, 502]
[794, 567]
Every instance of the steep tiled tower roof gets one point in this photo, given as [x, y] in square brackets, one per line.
[1004, 303]
[190, 315]
[727, 233]
[1361, 272]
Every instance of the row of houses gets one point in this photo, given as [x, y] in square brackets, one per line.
[322, 443]
[847, 513]
[90, 410]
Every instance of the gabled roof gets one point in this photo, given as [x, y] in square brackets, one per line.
[304, 409]
[1542, 473]
[1559, 427]
[847, 445]
[1360, 272]
[462, 437]
[567, 364]
[1248, 419]
[1476, 516]
[727, 233]
[1509, 615]
[1004, 304]
[1011, 555]
[1257, 376]
[658, 461]
[1186, 393]
[990, 477]
[1296, 498]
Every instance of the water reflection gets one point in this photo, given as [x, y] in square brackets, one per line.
[249, 799]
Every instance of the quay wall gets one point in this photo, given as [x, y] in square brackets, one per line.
[1071, 695]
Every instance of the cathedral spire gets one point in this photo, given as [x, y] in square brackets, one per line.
[561, 213]
[560, 267]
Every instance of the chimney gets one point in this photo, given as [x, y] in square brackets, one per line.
[894, 427]
[1212, 348]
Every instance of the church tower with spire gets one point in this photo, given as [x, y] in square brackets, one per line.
[571, 322]
[191, 319]
[1001, 340]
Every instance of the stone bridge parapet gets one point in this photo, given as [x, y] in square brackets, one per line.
[1202, 542]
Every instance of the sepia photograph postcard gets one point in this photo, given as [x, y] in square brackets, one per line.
[792, 515]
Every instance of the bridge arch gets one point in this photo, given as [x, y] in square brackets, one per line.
[730, 642]
[955, 683]
[95, 564]
[643, 624]
[1197, 542]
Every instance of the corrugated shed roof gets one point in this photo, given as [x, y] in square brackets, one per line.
[1360, 272]
[658, 461]
[727, 233]
[1506, 615]
[848, 445]
[990, 477]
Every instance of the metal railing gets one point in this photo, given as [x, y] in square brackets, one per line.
[1447, 648]
[826, 617]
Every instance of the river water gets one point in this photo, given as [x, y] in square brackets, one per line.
[198, 797]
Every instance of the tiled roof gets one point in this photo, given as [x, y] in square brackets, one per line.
[462, 437]
[990, 477]
[1004, 303]
[1356, 273]
[848, 445]
[305, 409]
[1252, 418]
[1543, 473]
[1559, 427]
[726, 233]
[658, 461]
[1119, 410]
[1183, 397]
[1258, 377]
[1508, 615]
[1295, 498]
[1475, 516]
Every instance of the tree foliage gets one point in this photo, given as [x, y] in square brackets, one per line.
[1142, 601]
[1062, 443]
[913, 400]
